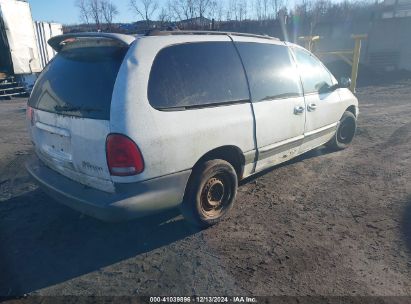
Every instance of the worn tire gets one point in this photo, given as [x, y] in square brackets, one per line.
[210, 193]
[345, 132]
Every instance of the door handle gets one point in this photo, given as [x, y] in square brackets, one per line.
[311, 107]
[299, 110]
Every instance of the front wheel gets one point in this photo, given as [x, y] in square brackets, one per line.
[210, 193]
[345, 132]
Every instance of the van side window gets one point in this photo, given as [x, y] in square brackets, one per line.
[313, 74]
[197, 74]
[271, 71]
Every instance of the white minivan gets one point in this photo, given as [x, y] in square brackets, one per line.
[125, 126]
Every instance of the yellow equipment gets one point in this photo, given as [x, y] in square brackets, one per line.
[352, 57]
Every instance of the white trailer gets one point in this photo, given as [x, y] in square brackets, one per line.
[21, 36]
[23, 47]
[44, 31]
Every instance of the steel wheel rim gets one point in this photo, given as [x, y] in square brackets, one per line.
[215, 195]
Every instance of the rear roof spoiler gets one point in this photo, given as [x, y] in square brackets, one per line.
[56, 42]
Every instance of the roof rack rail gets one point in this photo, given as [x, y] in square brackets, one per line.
[178, 32]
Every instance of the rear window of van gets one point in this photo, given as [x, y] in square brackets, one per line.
[79, 82]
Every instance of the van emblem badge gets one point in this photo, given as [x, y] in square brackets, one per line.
[91, 167]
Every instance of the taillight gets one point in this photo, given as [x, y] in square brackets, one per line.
[30, 115]
[123, 156]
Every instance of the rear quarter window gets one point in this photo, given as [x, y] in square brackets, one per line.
[79, 82]
[196, 75]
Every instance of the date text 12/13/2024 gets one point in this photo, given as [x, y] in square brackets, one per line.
[203, 299]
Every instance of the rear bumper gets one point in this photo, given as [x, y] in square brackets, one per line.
[129, 200]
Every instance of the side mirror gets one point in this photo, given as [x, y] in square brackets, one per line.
[345, 82]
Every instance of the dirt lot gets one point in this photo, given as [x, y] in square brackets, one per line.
[325, 224]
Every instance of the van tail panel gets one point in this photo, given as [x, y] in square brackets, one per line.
[74, 147]
[69, 108]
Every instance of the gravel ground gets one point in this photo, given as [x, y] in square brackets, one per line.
[323, 224]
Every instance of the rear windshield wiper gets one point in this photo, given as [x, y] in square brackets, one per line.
[74, 109]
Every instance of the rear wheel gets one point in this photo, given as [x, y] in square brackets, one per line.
[345, 132]
[210, 193]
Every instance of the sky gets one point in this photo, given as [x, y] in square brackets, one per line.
[64, 11]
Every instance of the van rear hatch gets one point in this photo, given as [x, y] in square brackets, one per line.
[69, 108]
